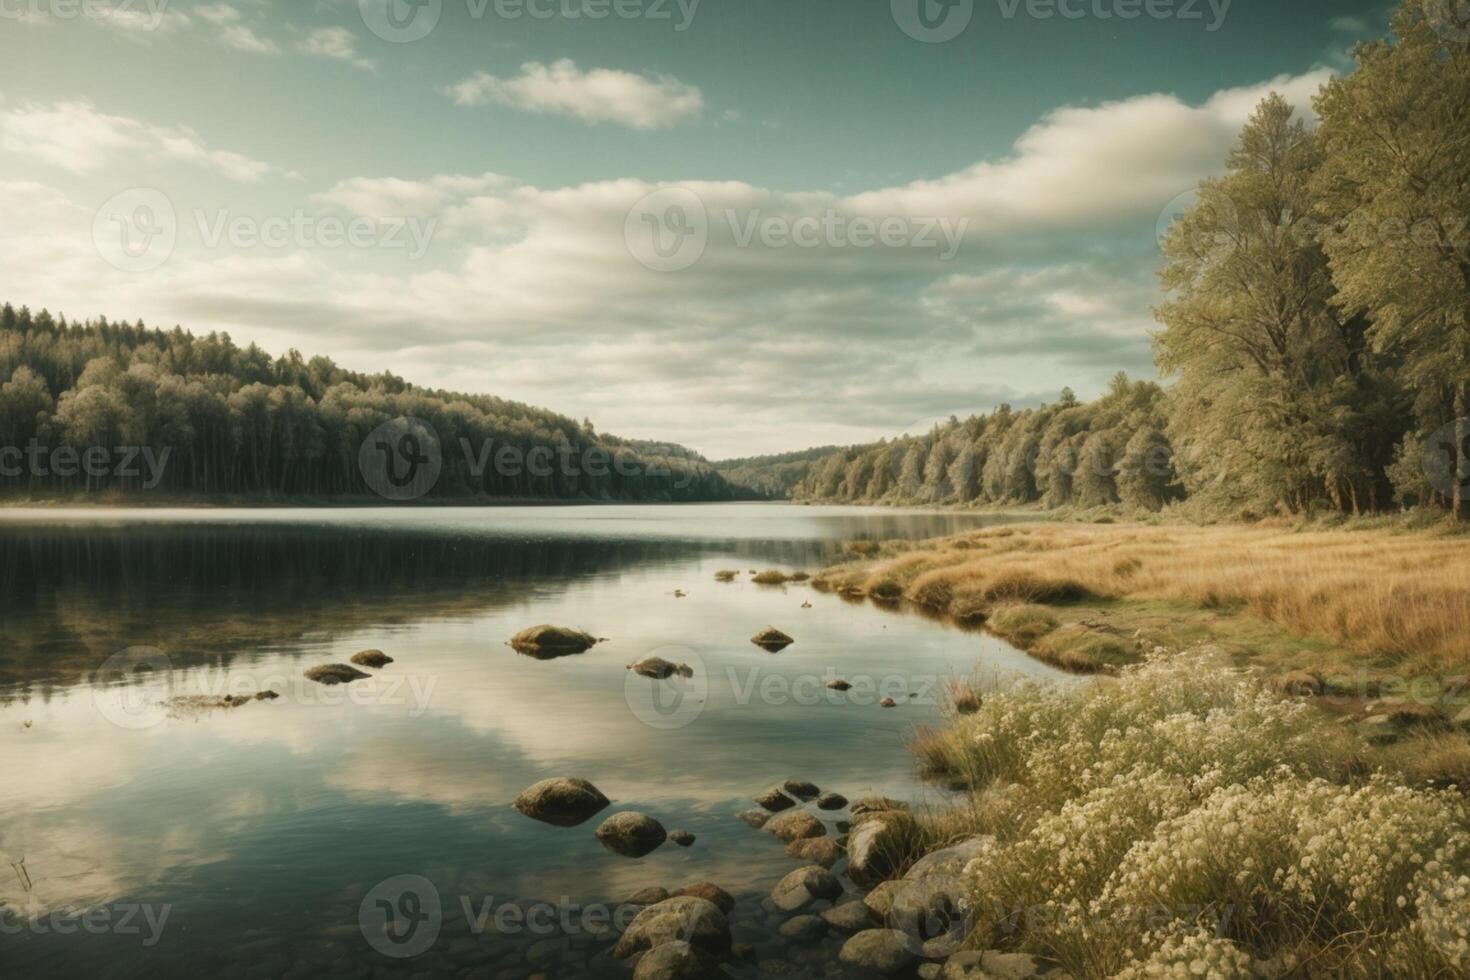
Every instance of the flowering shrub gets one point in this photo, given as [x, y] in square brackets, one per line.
[1186, 822]
[1192, 955]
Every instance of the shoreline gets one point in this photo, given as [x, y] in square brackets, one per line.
[1213, 702]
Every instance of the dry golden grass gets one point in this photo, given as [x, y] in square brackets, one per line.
[1404, 597]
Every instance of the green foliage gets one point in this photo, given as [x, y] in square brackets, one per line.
[236, 422]
[1063, 455]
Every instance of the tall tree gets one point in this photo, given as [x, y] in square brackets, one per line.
[1396, 184]
[1250, 328]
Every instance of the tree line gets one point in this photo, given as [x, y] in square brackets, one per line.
[212, 418]
[1315, 327]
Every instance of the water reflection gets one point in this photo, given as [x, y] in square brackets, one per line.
[268, 823]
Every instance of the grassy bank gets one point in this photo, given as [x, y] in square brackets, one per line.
[1266, 780]
[1339, 604]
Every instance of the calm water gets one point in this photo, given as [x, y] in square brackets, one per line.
[141, 836]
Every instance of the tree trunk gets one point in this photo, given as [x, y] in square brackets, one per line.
[1462, 442]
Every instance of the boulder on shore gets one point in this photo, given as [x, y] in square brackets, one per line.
[882, 845]
[376, 659]
[631, 834]
[772, 639]
[546, 642]
[330, 674]
[876, 804]
[561, 802]
[884, 951]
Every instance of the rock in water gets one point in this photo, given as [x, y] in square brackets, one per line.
[880, 900]
[682, 837]
[561, 802]
[546, 642]
[795, 825]
[818, 850]
[803, 929]
[831, 801]
[804, 887]
[660, 669]
[683, 918]
[775, 800]
[711, 893]
[676, 960]
[756, 818]
[852, 916]
[772, 639]
[330, 674]
[883, 951]
[631, 834]
[376, 659]
[651, 895]
[839, 685]
[801, 789]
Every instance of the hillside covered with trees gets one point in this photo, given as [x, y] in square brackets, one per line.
[236, 422]
[1315, 329]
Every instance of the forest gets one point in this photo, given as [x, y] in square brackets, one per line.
[1314, 331]
[215, 420]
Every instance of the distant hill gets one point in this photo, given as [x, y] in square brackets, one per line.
[191, 415]
[773, 476]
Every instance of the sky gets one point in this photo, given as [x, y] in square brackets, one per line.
[747, 226]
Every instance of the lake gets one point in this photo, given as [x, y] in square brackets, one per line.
[145, 834]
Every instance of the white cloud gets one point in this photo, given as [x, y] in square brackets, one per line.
[1084, 166]
[77, 137]
[1052, 286]
[337, 43]
[232, 30]
[392, 197]
[597, 95]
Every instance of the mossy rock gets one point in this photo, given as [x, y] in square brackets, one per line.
[333, 674]
[545, 642]
[376, 659]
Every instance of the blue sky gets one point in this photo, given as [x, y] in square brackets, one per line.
[499, 173]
